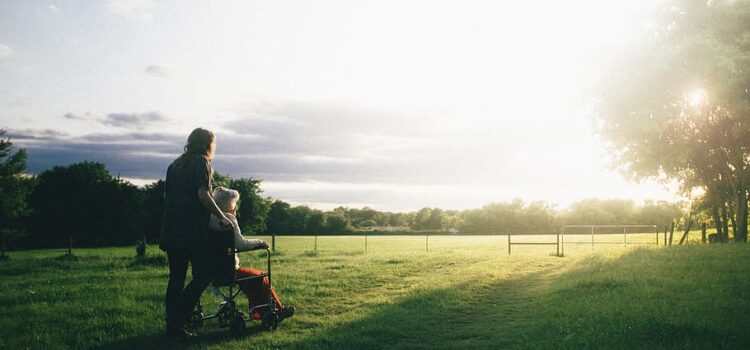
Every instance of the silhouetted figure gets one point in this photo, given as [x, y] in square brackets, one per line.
[184, 232]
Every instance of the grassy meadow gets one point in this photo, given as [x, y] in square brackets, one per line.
[464, 293]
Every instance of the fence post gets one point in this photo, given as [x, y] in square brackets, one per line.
[666, 231]
[273, 241]
[592, 236]
[70, 245]
[426, 242]
[625, 236]
[657, 236]
[365, 242]
[558, 245]
[508, 242]
[562, 240]
[316, 243]
[703, 233]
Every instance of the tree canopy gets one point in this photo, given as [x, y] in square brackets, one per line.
[13, 187]
[678, 105]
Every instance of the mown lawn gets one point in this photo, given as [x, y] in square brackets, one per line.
[460, 295]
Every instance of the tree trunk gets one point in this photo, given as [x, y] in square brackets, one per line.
[671, 233]
[717, 221]
[731, 213]
[725, 222]
[740, 234]
[687, 229]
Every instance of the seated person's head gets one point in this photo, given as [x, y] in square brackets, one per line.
[226, 199]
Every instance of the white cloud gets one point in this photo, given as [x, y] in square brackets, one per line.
[132, 8]
[158, 71]
[138, 121]
[78, 116]
[5, 51]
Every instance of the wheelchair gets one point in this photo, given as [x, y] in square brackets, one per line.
[225, 279]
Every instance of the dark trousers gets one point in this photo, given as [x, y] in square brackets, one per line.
[180, 302]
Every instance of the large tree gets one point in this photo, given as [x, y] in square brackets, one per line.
[253, 209]
[678, 105]
[12, 191]
[13, 186]
[85, 202]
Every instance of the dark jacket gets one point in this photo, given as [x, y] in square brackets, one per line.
[185, 222]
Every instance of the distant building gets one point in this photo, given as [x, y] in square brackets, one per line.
[390, 228]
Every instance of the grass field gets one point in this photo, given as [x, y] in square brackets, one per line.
[465, 293]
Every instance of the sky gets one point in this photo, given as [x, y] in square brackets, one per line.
[395, 105]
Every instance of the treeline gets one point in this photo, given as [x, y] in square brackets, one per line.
[85, 203]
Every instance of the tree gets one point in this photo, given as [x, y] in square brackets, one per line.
[495, 218]
[278, 218]
[397, 219]
[359, 216]
[435, 220]
[219, 179]
[421, 219]
[85, 202]
[316, 222]
[152, 210]
[337, 224]
[678, 108]
[659, 213]
[602, 211]
[253, 209]
[13, 187]
[297, 219]
[539, 217]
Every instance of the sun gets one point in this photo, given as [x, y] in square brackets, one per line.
[697, 97]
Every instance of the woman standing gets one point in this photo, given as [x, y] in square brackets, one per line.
[184, 232]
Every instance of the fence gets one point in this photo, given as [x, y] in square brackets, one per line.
[579, 234]
[556, 243]
[571, 235]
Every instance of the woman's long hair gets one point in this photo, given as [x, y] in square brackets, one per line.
[198, 143]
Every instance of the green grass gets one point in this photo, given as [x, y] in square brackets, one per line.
[464, 293]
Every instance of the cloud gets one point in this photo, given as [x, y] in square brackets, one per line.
[136, 121]
[137, 9]
[5, 50]
[53, 8]
[78, 116]
[324, 142]
[300, 141]
[361, 164]
[158, 71]
[137, 155]
[36, 134]
[21, 102]
[146, 155]
[341, 142]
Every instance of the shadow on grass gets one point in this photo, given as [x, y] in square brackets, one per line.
[644, 299]
[160, 341]
[600, 303]
[149, 260]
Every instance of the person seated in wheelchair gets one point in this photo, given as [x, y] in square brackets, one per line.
[255, 289]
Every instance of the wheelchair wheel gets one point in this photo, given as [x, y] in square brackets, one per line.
[196, 319]
[270, 320]
[237, 324]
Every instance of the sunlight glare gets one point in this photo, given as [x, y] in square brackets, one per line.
[697, 97]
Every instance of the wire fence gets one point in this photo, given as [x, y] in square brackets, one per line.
[570, 238]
